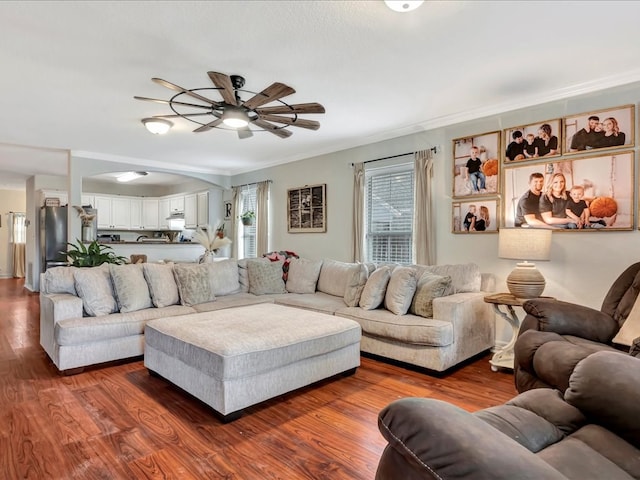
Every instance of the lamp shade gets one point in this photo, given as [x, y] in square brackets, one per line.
[525, 281]
[524, 243]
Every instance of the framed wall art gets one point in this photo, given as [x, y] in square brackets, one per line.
[578, 194]
[476, 165]
[307, 209]
[599, 130]
[530, 142]
[475, 216]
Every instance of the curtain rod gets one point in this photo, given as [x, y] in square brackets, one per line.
[252, 183]
[433, 149]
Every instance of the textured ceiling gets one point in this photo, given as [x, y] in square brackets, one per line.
[70, 71]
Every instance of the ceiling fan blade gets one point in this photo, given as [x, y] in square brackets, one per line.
[298, 108]
[178, 88]
[223, 82]
[270, 127]
[182, 115]
[273, 92]
[167, 102]
[296, 122]
[208, 126]
[244, 133]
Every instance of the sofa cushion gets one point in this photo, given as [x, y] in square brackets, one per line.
[429, 286]
[162, 284]
[265, 277]
[224, 277]
[59, 280]
[334, 276]
[93, 285]
[400, 290]
[194, 283]
[318, 302]
[355, 285]
[630, 329]
[132, 292]
[375, 288]
[303, 275]
[243, 273]
[464, 277]
[231, 301]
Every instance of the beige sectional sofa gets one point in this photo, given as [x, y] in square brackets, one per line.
[95, 315]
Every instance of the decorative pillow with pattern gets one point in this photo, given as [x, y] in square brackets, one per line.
[132, 292]
[194, 283]
[400, 290]
[265, 277]
[93, 285]
[375, 288]
[429, 286]
[162, 284]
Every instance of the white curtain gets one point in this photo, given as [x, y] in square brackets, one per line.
[18, 236]
[358, 212]
[423, 231]
[235, 207]
[262, 217]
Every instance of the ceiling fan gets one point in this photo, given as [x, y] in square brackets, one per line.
[232, 112]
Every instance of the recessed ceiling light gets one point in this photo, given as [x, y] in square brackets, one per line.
[403, 5]
[128, 176]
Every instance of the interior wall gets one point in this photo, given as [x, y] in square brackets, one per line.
[583, 264]
[11, 201]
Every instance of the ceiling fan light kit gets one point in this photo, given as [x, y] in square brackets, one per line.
[403, 5]
[234, 113]
[157, 126]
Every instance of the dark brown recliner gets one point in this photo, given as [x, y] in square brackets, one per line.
[555, 336]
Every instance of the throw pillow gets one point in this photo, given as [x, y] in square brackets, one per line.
[375, 288]
[162, 284]
[265, 277]
[334, 276]
[194, 284]
[59, 280]
[630, 329]
[402, 286]
[429, 286]
[93, 285]
[132, 292]
[464, 277]
[303, 275]
[355, 285]
[225, 278]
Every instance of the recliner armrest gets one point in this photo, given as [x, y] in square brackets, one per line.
[429, 438]
[563, 318]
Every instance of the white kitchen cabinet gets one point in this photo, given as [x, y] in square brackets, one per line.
[136, 214]
[88, 200]
[150, 213]
[114, 212]
[176, 204]
[203, 209]
[164, 210]
[190, 211]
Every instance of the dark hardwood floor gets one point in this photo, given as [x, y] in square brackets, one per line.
[118, 422]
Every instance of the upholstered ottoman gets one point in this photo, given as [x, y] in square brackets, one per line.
[237, 357]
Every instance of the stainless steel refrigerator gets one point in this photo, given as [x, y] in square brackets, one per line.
[53, 236]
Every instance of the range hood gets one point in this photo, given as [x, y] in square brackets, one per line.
[175, 216]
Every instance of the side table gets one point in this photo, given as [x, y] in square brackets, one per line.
[504, 357]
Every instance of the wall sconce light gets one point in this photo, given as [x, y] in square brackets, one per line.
[525, 281]
[158, 126]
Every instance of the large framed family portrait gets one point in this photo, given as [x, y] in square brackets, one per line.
[532, 142]
[475, 216]
[476, 165]
[578, 194]
[307, 209]
[599, 130]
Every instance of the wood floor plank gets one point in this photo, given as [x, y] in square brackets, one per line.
[115, 421]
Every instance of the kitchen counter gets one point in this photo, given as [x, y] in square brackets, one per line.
[159, 251]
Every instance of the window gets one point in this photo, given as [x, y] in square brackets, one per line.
[247, 233]
[389, 214]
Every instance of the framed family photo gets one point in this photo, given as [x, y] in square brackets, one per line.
[599, 130]
[476, 165]
[475, 216]
[579, 194]
[532, 142]
[307, 209]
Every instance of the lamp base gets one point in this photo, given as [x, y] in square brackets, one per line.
[526, 281]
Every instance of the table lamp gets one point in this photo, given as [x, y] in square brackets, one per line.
[525, 281]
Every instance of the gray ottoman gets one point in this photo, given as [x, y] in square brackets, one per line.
[237, 357]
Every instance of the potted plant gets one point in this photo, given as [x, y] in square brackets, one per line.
[248, 217]
[92, 255]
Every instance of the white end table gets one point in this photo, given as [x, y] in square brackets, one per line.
[504, 358]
